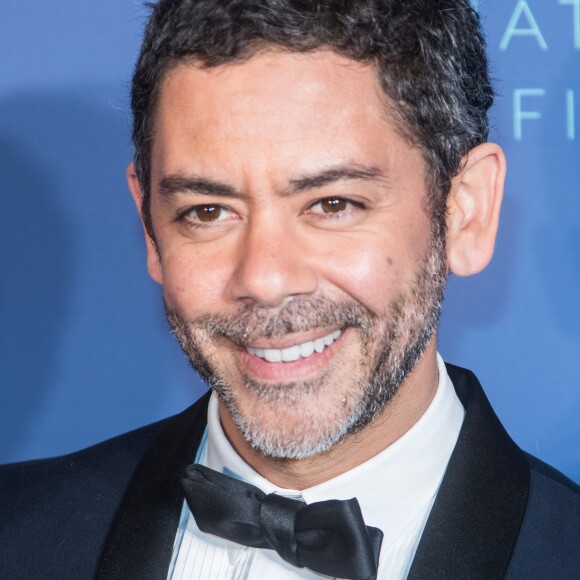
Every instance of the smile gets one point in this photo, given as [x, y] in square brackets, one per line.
[295, 352]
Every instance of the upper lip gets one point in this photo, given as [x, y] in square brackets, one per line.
[289, 339]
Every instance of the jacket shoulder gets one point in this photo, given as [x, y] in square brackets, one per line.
[548, 543]
[553, 476]
[52, 510]
[548, 535]
[104, 461]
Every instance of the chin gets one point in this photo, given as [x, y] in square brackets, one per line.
[292, 421]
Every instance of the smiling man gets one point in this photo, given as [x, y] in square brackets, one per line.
[308, 174]
[300, 268]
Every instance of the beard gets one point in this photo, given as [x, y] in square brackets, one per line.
[300, 419]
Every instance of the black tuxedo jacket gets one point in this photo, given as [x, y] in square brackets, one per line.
[111, 511]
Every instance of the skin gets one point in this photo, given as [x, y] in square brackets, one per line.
[260, 128]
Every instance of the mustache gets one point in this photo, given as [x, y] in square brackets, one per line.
[253, 321]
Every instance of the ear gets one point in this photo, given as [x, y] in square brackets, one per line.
[473, 208]
[153, 260]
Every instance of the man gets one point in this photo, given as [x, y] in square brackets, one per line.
[307, 173]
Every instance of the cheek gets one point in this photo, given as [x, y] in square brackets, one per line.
[368, 272]
[192, 282]
[379, 264]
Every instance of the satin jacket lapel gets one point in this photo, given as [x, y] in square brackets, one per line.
[140, 541]
[475, 521]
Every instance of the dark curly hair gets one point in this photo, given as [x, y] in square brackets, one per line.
[429, 55]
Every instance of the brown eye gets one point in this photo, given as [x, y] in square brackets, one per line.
[208, 213]
[333, 205]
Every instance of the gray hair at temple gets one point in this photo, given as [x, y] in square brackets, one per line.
[429, 56]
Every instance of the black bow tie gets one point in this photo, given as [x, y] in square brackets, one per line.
[329, 537]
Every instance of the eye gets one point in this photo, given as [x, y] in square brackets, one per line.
[334, 206]
[201, 215]
[207, 213]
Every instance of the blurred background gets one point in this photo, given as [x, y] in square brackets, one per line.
[85, 353]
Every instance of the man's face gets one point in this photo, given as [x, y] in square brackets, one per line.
[299, 268]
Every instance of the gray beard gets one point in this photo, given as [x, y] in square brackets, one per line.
[391, 345]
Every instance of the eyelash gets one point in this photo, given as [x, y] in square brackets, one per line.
[350, 203]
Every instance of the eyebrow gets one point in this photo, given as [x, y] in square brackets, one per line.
[172, 185]
[349, 172]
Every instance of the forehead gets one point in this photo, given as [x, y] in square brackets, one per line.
[278, 108]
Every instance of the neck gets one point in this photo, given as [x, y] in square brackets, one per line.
[402, 412]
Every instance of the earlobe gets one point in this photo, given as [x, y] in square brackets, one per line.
[153, 261]
[473, 208]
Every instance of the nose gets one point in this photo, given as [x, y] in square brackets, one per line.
[272, 265]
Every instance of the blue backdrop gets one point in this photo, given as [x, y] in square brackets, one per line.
[85, 352]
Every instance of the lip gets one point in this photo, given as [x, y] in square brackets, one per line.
[262, 370]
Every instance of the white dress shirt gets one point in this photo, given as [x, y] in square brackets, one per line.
[395, 489]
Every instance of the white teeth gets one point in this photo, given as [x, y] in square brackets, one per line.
[290, 354]
[295, 352]
[273, 355]
[306, 349]
[319, 344]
